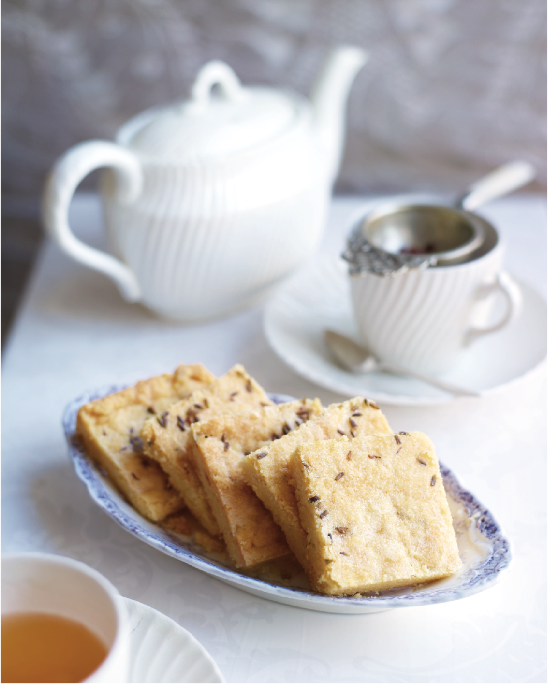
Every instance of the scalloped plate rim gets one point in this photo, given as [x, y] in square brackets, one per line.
[135, 609]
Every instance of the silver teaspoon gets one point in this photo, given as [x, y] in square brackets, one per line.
[356, 359]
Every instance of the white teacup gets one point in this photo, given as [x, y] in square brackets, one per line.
[424, 319]
[44, 583]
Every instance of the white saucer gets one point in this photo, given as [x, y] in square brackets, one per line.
[319, 298]
[162, 651]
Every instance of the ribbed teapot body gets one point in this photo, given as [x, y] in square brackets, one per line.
[208, 238]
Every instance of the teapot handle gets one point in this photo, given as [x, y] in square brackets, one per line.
[69, 170]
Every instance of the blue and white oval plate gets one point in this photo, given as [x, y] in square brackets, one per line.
[484, 550]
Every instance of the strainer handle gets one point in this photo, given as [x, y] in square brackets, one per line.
[500, 182]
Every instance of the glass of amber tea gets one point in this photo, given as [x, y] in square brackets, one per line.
[62, 621]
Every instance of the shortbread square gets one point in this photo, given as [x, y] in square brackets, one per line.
[270, 473]
[218, 446]
[375, 512]
[166, 437]
[110, 431]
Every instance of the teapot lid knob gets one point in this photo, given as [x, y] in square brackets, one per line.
[212, 126]
[216, 73]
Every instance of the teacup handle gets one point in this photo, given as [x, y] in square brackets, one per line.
[504, 284]
[69, 170]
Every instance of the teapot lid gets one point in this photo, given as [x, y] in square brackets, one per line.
[212, 125]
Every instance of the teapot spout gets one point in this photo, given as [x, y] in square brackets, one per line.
[329, 96]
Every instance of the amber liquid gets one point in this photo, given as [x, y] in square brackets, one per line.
[39, 647]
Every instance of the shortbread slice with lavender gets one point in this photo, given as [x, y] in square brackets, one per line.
[375, 512]
[166, 437]
[110, 429]
[217, 449]
[268, 470]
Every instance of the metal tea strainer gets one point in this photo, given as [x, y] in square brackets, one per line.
[397, 236]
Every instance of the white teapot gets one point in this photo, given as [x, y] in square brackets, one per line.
[210, 202]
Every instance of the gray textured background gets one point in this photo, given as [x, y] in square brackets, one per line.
[452, 89]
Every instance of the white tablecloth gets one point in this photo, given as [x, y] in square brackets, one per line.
[74, 332]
